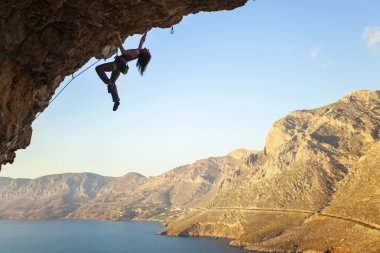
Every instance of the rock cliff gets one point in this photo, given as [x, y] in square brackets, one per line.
[42, 42]
[315, 185]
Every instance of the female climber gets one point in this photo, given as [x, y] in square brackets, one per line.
[120, 65]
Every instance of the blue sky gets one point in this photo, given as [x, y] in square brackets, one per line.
[218, 83]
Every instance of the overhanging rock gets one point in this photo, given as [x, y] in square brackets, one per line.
[43, 41]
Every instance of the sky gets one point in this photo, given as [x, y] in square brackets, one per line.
[217, 84]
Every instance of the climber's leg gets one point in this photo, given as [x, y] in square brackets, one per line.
[113, 89]
[102, 69]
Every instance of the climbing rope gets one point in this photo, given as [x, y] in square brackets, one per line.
[51, 101]
[64, 87]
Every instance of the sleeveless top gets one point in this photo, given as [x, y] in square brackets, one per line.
[127, 58]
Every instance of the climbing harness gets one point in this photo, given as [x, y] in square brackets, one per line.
[121, 64]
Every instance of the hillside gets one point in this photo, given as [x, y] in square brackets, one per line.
[167, 194]
[315, 185]
[47, 197]
[132, 196]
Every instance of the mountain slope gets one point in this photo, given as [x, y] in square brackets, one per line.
[183, 187]
[313, 186]
[90, 196]
[47, 197]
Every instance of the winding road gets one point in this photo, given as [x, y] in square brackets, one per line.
[271, 210]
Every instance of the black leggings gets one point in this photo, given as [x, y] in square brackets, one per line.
[108, 67]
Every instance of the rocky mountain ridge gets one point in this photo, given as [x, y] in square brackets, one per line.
[132, 196]
[314, 186]
[48, 197]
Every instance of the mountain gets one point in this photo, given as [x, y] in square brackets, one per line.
[167, 194]
[132, 196]
[47, 197]
[315, 185]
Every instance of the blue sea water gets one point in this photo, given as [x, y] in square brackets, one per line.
[80, 236]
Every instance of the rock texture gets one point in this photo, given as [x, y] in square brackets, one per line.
[315, 186]
[42, 42]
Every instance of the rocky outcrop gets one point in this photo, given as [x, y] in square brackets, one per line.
[315, 186]
[42, 42]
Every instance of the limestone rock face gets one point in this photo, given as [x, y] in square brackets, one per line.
[242, 154]
[315, 186]
[42, 42]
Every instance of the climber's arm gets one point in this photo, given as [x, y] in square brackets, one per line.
[143, 40]
[132, 52]
[122, 49]
[120, 44]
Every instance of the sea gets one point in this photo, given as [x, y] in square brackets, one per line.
[88, 236]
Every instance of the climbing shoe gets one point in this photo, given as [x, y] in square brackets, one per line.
[116, 105]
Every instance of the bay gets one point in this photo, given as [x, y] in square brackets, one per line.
[80, 236]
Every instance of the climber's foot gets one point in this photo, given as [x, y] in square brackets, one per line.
[116, 105]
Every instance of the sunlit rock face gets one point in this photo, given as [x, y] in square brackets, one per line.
[314, 187]
[41, 42]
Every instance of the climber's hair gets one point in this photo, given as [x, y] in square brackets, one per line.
[143, 60]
